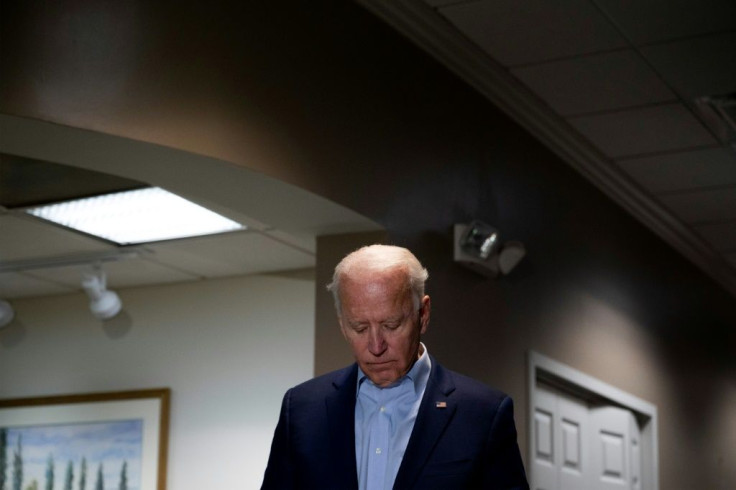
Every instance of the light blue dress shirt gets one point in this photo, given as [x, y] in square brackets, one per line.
[384, 419]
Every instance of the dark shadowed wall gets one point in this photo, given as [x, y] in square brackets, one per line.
[322, 95]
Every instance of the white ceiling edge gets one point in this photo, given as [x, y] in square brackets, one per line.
[256, 200]
[423, 26]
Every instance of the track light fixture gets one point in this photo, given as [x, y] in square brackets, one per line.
[103, 303]
[478, 247]
[6, 313]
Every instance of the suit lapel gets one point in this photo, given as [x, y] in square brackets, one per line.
[340, 405]
[435, 412]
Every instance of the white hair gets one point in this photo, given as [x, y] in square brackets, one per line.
[380, 258]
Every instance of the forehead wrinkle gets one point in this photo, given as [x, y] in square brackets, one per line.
[367, 275]
[375, 297]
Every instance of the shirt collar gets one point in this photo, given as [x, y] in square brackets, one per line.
[418, 374]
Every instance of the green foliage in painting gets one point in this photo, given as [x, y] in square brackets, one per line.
[69, 478]
[3, 452]
[18, 466]
[50, 473]
[100, 483]
[83, 474]
[124, 477]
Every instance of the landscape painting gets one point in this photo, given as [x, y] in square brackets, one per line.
[95, 456]
[108, 441]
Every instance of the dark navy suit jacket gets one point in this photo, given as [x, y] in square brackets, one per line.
[464, 437]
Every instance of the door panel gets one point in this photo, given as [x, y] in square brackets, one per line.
[577, 447]
[543, 464]
[611, 448]
[573, 429]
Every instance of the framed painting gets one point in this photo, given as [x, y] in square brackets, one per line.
[98, 441]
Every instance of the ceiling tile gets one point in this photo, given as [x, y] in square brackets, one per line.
[650, 21]
[641, 131]
[600, 82]
[697, 67]
[124, 273]
[26, 238]
[702, 207]
[231, 254]
[17, 285]
[686, 170]
[517, 33]
[721, 235]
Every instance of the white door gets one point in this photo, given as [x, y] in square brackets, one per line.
[544, 465]
[578, 447]
[573, 429]
[561, 439]
[615, 449]
[636, 454]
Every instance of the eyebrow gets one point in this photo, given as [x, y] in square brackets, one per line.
[396, 319]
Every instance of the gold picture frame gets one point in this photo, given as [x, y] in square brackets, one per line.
[122, 435]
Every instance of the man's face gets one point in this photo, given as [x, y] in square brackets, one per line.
[379, 322]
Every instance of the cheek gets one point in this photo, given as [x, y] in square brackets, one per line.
[357, 345]
[403, 345]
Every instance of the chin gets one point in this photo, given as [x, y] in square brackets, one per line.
[384, 379]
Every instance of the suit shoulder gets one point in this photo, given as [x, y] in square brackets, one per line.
[324, 382]
[472, 389]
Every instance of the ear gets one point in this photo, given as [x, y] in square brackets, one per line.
[342, 328]
[425, 311]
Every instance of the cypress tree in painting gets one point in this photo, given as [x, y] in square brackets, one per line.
[100, 483]
[124, 477]
[69, 479]
[83, 474]
[18, 466]
[50, 473]
[3, 452]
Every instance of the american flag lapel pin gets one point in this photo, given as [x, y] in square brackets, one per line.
[440, 404]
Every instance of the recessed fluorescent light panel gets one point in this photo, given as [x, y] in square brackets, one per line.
[139, 216]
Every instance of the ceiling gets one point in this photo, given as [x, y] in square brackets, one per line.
[38, 258]
[612, 87]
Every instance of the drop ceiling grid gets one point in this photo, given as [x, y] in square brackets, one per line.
[644, 131]
[628, 87]
[229, 254]
[124, 273]
[591, 78]
[721, 235]
[698, 66]
[24, 238]
[656, 21]
[18, 285]
[600, 82]
[704, 207]
[683, 171]
[520, 33]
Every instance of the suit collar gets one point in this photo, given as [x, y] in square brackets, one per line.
[340, 406]
[435, 412]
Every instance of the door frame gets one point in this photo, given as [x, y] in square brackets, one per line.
[581, 385]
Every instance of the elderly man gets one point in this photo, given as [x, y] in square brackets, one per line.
[396, 418]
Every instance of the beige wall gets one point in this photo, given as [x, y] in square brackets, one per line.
[227, 348]
[330, 99]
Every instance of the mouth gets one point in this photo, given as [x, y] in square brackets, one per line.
[379, 364]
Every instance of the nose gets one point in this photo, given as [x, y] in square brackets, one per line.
[376, 342]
